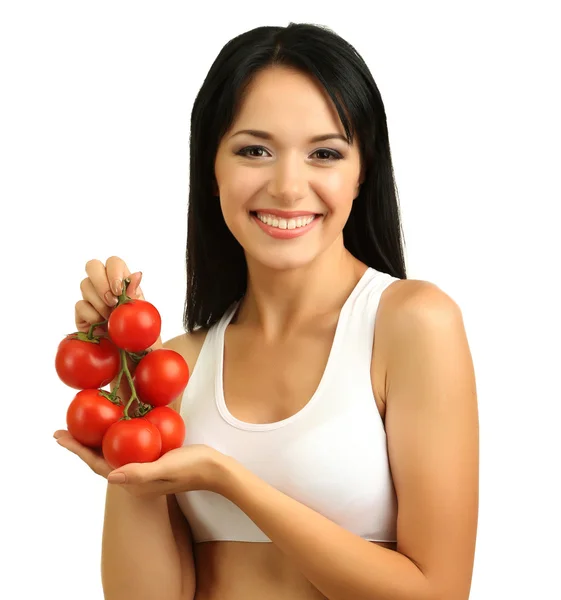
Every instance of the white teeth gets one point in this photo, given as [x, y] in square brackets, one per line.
[280, 223]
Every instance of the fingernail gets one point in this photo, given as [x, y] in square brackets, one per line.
[116, 478]
[117, 287]
[110, 299]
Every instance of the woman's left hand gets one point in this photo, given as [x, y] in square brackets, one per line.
[185, 469]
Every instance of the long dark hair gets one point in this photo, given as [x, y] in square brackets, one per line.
[216, 264]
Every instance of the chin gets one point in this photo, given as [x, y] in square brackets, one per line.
[281, 261]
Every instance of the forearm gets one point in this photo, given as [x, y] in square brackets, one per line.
[340, 564]
[139, 558]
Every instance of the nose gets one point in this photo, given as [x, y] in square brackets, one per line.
[288, 183]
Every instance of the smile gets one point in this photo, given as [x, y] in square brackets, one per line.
[280, 228]
[281, 223]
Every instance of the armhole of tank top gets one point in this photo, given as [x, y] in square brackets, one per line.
[205, 349]
[374, 306]
[205, 354]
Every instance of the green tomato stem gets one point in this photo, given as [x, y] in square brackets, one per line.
[93, 326]
[125, 369]
[123, 295]
[116, 389]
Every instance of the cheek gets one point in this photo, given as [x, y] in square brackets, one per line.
[236, 197]
[336, 189]
[233, 205]
[242, 183]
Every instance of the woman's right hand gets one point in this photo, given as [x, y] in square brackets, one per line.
[99, 296]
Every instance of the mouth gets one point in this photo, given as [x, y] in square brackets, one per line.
[285, 220]
[285, 228]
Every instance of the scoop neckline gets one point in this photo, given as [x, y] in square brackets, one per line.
[219, 380]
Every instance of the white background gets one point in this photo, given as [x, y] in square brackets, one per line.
[94, 149]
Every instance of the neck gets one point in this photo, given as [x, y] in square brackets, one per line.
[279, 302]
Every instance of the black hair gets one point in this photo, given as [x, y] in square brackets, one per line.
[216, 264]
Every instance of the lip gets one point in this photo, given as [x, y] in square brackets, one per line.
[285, 234]
[285, 214]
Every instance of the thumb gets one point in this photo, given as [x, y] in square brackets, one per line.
[134, 473]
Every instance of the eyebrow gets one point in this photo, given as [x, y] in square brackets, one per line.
[267, 136]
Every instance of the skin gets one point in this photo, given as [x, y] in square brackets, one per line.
[295, 291]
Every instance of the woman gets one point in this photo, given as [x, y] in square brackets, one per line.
[332, 429]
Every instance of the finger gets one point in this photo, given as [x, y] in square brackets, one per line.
[134, 291]
[59, 433]
[84, 315]
[99, 276]
[95, 270]
[115, 271]
[139, 473]
[103, 306]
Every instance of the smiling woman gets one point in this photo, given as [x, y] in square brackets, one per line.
[331, 411]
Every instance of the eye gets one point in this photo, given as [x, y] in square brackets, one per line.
[331, 154]
[245, 151]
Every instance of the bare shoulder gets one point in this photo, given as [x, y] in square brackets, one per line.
[412, 299]
[408, 308]
[411, 294]
[189, 346]
[401, 298]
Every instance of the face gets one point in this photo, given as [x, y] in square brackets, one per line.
[284, 196]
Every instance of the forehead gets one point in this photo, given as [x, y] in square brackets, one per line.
[286, 99]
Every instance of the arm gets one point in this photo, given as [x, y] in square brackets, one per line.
[146, 544]
[432, 429]
[140, 559]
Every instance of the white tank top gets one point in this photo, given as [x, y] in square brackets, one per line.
[331, 455]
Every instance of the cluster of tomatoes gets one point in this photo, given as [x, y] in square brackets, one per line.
[143, 427]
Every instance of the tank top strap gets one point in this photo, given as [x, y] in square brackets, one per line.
[360, 320]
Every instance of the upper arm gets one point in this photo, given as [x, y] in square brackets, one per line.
[178, 344]
[189, 346]
[433, 439]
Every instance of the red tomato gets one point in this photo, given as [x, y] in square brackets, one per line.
[90, 415]
[131, 441]
[161, 376]
[135, 325]
[83, 364]
[170, 425]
